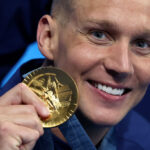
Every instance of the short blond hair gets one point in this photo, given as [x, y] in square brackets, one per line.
[62, 9]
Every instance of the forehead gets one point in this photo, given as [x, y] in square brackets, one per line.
[128, 14]
[123, 4]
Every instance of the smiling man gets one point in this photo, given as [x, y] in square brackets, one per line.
[105, 47]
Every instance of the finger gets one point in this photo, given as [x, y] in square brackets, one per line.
[28, 146]
[9, 143]
[29, 121]
[12, 96]
[17, 109]
[24, 115]
[22, 94]
[21, 134]
[27, 135]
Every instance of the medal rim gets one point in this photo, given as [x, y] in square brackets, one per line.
[50, 69]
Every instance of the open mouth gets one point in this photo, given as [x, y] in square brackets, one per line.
[109, 89]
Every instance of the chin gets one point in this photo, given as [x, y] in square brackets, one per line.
[105, 119]
[106, 123]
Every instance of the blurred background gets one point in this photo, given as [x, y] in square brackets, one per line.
[18, 25]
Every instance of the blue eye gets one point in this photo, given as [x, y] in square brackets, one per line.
[98, 34]
[99, 37]
[142, 44]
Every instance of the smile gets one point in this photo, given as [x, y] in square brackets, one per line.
[109, 89]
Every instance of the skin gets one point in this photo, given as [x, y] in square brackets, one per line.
[104, 41]
[20, 126]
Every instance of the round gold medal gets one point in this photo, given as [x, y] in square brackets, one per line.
[57, 90]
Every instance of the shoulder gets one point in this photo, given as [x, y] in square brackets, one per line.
[17, 77]
[133, 132]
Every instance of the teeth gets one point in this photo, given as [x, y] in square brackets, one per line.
[110, 90]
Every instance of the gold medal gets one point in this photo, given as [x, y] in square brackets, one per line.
[57, 90]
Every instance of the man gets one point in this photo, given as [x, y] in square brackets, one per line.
[105, 47]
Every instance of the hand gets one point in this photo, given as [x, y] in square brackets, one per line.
[20, 126]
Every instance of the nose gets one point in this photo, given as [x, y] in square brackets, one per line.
[118, 64]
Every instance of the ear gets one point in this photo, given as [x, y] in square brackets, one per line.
[46, 36]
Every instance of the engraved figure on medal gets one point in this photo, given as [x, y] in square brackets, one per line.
[57, 90]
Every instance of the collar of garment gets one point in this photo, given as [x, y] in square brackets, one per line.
[76, 137]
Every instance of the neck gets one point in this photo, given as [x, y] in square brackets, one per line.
[94, 131]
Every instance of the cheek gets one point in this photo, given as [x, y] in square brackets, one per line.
[141, 70]
[80, 58]
[76, 58]
[142, 77]
[138, 95]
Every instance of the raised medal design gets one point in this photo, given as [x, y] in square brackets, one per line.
[57, 90]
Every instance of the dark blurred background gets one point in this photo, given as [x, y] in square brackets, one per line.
[18, 25]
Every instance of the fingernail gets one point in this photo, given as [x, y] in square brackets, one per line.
[46, 118]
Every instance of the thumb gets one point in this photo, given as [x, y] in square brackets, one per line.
[21, 94]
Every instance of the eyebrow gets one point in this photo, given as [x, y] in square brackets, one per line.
[114, 28]
[105, 24]
[143, 35]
